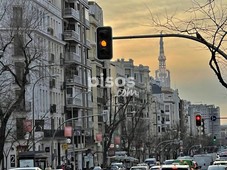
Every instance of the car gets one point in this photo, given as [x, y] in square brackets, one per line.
[217, 167]
[185, 161]
[140, 167]
[97, 168]
[117, 166]
[150, 161]
[175, 167]
[26, 168]
[168, 161]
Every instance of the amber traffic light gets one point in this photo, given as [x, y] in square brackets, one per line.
[198, 120]
[104, 43]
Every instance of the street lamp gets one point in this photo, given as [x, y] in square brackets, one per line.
[72, 113]
[33, 108]
[53, 136]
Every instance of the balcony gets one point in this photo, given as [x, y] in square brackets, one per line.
[88, 43]
[94, 21]
[70, 35]
[84, 2]
[74, 80]
[71, 13]
[72, 57]
[74, 101]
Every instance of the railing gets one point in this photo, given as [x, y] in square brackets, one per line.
[70, 34]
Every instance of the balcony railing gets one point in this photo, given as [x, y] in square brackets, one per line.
[72, 56]
[71, 35]
[71, 13]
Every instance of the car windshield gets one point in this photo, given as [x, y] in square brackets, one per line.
[150, 161]
[168, 162]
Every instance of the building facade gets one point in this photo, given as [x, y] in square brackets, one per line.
[50, 38]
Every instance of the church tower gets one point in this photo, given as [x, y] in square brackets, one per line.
[162, 74]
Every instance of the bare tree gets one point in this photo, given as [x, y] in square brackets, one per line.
[135, 129]
[21, 62]
[207, 24]
[114, 122]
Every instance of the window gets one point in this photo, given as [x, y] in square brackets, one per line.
[127, 72]
[17, 16]
[18, 45]
[166, 108]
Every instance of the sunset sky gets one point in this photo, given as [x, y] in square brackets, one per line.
[186, 60]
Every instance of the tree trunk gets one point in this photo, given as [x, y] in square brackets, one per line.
[2, 141]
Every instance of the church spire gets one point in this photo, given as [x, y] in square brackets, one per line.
[162, 74]
[161, 58]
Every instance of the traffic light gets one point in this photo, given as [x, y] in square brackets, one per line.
[203, 127]
[104, 43]
[214, 139]
[198, 120]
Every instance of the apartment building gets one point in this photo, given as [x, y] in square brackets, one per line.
[50, 47]
[35, 54]
[77, 69]
[100, 93]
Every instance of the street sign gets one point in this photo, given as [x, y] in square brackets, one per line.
[65, 146]
[213, 118]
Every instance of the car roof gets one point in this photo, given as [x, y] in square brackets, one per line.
[217, 166]
[137, 166]
[175, 166]
[150, 159]
[169, 160]
[220, 161]
[140, 167]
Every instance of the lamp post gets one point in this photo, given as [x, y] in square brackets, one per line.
[52, 138]
[33, 108]
[72, 112]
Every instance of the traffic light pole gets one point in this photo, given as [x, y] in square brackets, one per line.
[202, 41]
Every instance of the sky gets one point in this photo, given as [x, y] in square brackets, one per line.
[186, 60]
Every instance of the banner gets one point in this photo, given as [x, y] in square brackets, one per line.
[68, 131]
[27, 125]
[99, 137]
[117, 140]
